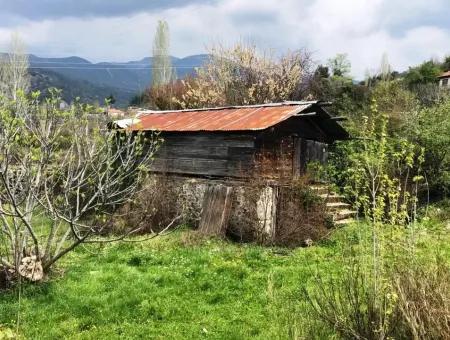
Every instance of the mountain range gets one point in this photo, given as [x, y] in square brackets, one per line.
[78, 77]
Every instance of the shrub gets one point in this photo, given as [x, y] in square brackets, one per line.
[300, 216]
[424, 298]
[161, 200]
[7, 333]
[381, 175]
[151, 210]
[406, 295]
[350, 302]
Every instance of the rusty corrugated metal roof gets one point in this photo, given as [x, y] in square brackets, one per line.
[236, 118]
[445, 75]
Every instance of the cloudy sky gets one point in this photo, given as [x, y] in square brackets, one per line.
[409, 31]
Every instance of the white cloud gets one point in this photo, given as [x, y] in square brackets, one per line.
[365, 29]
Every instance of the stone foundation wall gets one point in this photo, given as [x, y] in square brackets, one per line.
[253, 212]
[265, 213]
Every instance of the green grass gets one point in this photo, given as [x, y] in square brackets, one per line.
[170, 288]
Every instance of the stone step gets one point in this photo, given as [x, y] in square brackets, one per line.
[343, 214]
[337, 206]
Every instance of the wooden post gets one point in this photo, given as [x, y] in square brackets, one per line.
[303, 155]
[216, 210]
[296, 157]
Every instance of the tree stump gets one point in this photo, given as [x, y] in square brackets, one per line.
[216, 210]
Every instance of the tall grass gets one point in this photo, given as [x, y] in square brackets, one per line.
[407, 296]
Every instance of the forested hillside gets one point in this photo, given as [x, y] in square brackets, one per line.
[93, 82]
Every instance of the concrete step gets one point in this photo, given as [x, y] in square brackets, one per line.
[331, 197]
[343, 214]
[345, 221]
[333, 206]
[320, 189]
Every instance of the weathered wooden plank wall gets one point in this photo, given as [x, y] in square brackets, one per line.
[216, 210]
[207, 154]
[316, 151]
[306, 151]
[214, 154]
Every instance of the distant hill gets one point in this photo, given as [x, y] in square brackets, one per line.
[78, 77]
[42, 79]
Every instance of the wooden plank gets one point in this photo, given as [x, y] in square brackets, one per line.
[296, 157]
[325, 153]
[201, 166]
[240, 152]
[210, 140]
[216, 210]
[192, 151]
[209, 152]
[303, 154]
[205, 154]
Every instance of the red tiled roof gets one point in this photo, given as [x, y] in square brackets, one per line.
[238, 118]
[445, 75]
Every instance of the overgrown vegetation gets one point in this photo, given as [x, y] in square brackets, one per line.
[404, 297]
[185, 286]
[299, 215]
[385, 289]
[62, 177]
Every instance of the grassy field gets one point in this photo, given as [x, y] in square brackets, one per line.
[178, 287]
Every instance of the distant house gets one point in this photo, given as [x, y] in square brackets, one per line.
[444, 80]
[231, 141]
[115, 113]
[63, 105]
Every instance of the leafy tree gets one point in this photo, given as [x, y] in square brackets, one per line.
[446, 64]
[431, 131]
[340, 66]
[347, 97]
[162, 70]
[381, 171]
[385, 68]
[110, 99]
[322, 72]
[399, 104]
[320, 85]
[365, 299]
[425, 73]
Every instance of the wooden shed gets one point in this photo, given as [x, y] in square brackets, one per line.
[233, 141]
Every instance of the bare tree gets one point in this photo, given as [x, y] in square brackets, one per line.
[162, 70]
[14, 69]
[64, 168]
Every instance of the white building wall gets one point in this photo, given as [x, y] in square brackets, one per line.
[444, 82]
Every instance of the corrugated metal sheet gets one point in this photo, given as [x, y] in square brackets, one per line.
[219, 119]
[445, 75]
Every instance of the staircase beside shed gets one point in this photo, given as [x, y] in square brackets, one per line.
[341, 212]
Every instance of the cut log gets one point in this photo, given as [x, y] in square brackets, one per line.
[216, 210]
